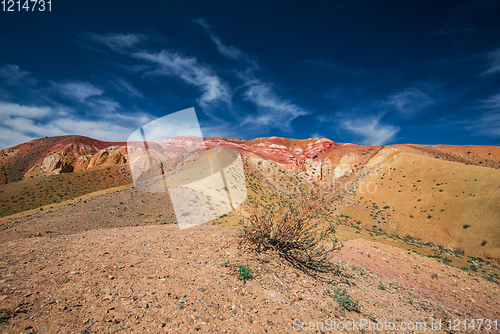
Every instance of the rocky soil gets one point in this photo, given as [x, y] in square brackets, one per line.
[159, 279]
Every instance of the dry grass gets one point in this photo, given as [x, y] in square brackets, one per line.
[299, 227]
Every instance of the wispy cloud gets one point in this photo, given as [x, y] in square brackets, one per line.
[189, 70]
[12, 75]
[77, 90]
[487, 121]
[273, 110]
[86, 111]
[409, 102]
[20, 123]
[317, 135]
[227, 51]
[492, 103]
[9, 137]
[8, 109]
[494, 62]
[117, 42]
[332, 66]
[447, 29]
[370, 130]
[126, 87]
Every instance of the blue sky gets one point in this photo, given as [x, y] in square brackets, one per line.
[367, 72]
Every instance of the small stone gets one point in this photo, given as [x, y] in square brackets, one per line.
[116, 328]
[182, 300]
[434, 275]
[84, 332]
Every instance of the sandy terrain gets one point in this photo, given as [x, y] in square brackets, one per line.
[159, 279]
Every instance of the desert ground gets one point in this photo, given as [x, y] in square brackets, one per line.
[100, 256]
[85, 276]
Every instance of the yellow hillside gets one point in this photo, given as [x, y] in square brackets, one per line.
[447, 203]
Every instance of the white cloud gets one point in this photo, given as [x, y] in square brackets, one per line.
[9, 137]
[77, 90]
[225, 50]
[488, 123]
[8, 109]
[126, 87]
[492, 103]
[409, 102]
[273, 110]
[446, 29]
[103, 106]
[370, 130]
[22, 123]
[317, 135]
[189, 70]
[335, 67]
[118, 42]
[494, 65]
[14, 76]
[100, 129]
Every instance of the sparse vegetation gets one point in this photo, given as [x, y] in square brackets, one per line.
[466, 226]
[345, 301]
[301, 229]
[244, 271]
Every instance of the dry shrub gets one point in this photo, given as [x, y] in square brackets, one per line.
[300, 227]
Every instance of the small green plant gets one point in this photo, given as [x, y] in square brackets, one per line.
[381, 287]
[459, 250]
[245, 273]
[466, 226]
[345, 301]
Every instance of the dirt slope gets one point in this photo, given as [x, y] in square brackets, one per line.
[160, 279]
[446, 203]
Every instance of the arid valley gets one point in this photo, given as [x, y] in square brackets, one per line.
[84, 251]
